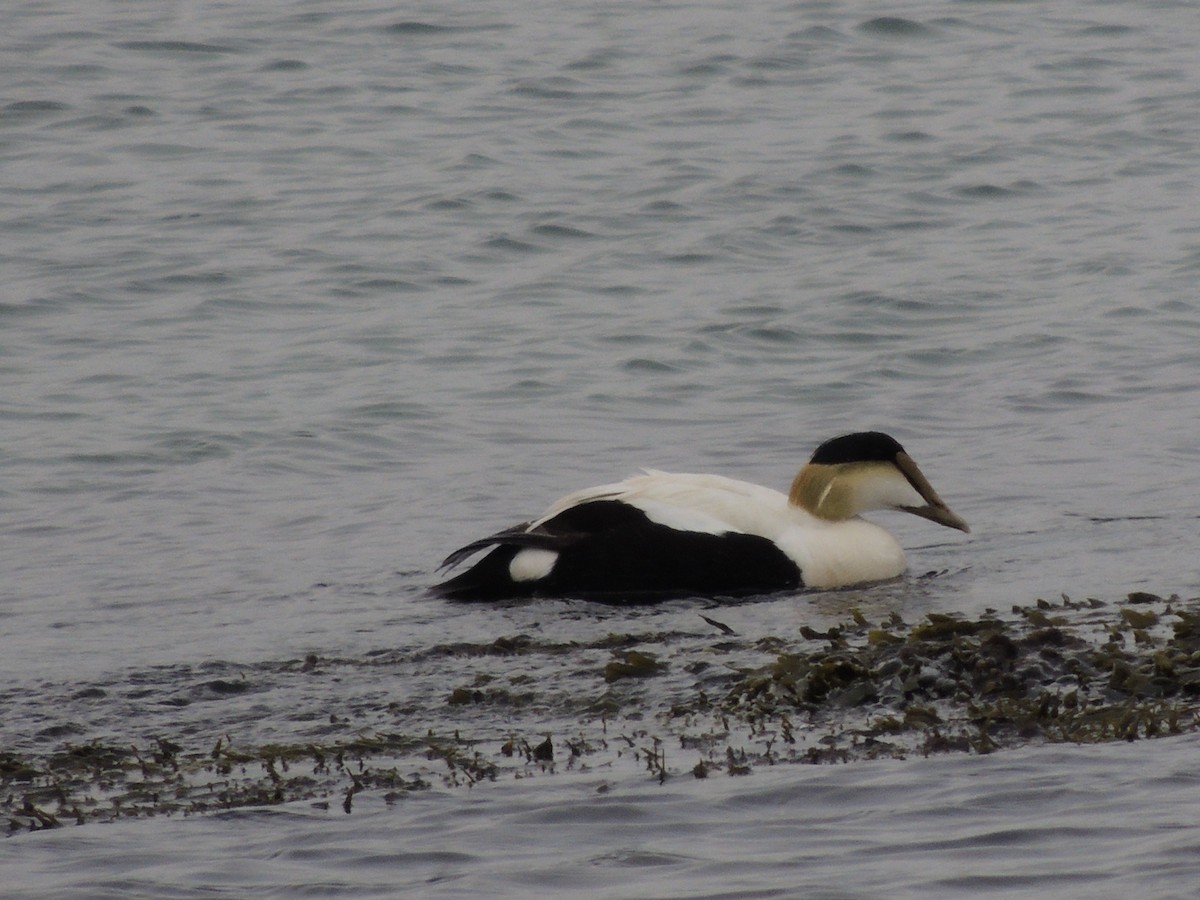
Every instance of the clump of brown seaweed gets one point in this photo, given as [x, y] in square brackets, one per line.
[1076, 672]
[673, 703]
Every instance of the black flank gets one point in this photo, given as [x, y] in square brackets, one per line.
[611, 551]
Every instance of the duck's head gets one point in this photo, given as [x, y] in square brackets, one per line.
[867, 470]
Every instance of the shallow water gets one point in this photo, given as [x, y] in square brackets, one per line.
[1077, 822]
[298, 299]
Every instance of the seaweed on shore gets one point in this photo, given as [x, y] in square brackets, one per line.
[671, 703]
[1067, 672]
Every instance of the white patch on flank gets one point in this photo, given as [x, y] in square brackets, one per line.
[531, 564]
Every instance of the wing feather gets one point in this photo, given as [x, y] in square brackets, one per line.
[518, 535]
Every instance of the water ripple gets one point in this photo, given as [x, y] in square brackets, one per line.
[296, 299]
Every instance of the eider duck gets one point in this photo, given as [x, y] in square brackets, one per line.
[659, 535]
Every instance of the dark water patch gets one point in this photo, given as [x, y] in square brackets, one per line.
[285, 65]
[698, 115]
[642, 365]
[639, 859]
[41, 415]
[597, 60]
[414, 28]
[562, 231]
[1188, 262]
[821, 33]
[987, 192]
[395, 411]
[1108, 30]
[1043, 882]
[689, 259]
[1067, 90]
[449, 204]
[61, 730]
[20, 111]
[1082, 63]
[917, 224]
[787, 226]
[175, 47]
[941, 358]
[615, 290]
[895, 26]
[879, 302]
[95, 123]
[553, 88]
[853, 170]
[189, 448]
[512, 245]
[774, 334]
[475, 161]
[599, 126]
[716, 64]
[389, 285]
[1143, 168]
[910, 136]
[224, 688]
[522, 389]
[161, 150]
[775, 63]
[218, 307]
[1111, 268]
[754, 310]
[33, 307]
[627, 339]
[720, 329]
[444, 68]
[452, 281]
[928, 198]
[532, 387]
[957, 22]
[113, 459]
[189, 279]
[418, 28]
[1074, 397]
[1056, 400]
[662, 208]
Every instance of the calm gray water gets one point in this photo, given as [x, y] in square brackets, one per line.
[297, 297]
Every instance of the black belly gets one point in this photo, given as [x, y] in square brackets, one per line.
[611, 551]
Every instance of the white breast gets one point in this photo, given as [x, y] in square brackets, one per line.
[836, 554]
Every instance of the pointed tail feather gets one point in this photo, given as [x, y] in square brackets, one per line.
[516, 536]
[500, 537]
